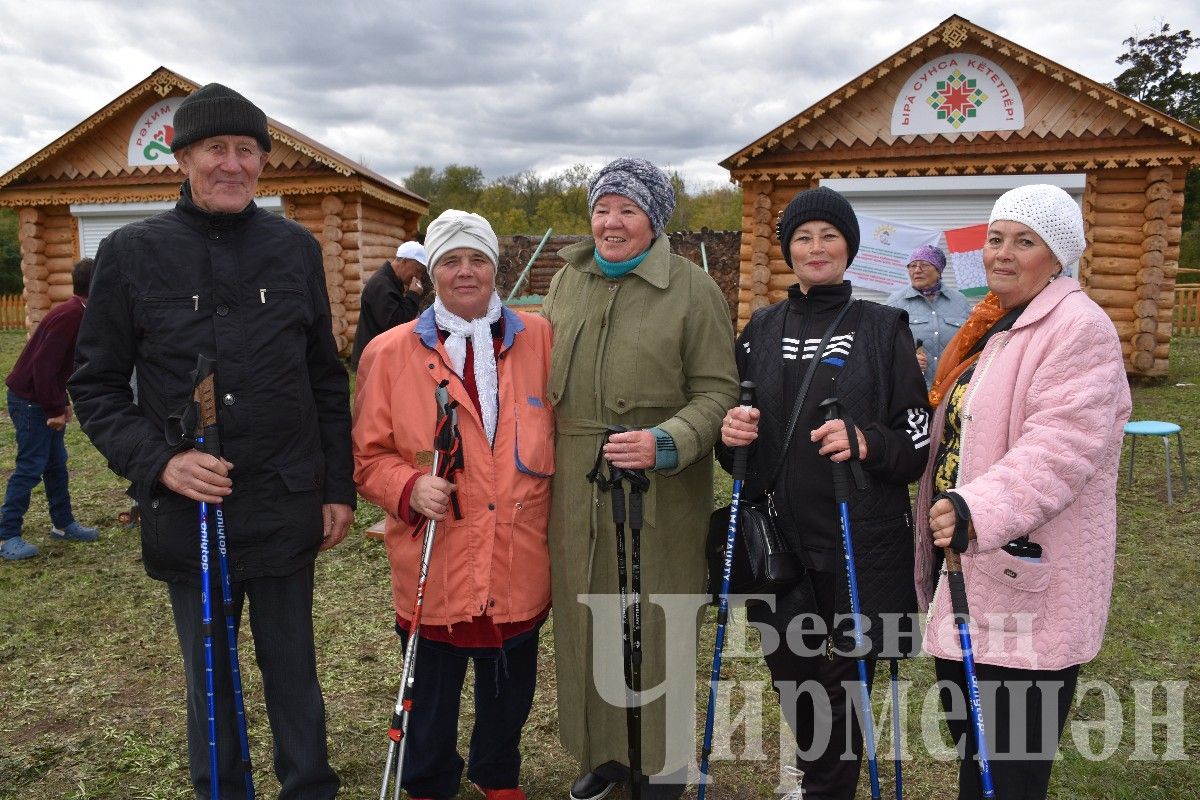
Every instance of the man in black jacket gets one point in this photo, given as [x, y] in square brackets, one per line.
[219, 276]
[391, 297]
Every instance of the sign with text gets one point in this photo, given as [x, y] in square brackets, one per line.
[956, 93]
[150, 139]
[883, 251]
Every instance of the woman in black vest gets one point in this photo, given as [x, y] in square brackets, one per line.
[867, 363]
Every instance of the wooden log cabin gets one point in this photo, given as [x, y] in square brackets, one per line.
[1124, 161]
[115, 167]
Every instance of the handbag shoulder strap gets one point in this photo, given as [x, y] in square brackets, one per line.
[803, 392]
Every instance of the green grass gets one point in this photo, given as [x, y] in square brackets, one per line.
[91, 698]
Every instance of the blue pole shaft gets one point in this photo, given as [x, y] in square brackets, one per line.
[722, 619]
[868, 720]
[235, 668]
[214, 775]
[962, 617]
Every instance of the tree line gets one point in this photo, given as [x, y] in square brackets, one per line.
[529, 203]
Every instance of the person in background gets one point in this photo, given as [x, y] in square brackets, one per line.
[1029, 498]
[488, 590]
[935, 311]
[391, 296]
[219, 276]
[38, 407]
[868, 365]
[642, 339]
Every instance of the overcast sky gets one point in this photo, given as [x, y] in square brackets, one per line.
[509, 86]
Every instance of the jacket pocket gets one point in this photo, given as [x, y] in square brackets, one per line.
[303, 475]
[566, 334]
[171, 529]
[533, 444]
[1009, 588]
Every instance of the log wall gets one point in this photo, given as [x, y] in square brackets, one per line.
[1133, 219]
[49, 240]
[322, 216]
[369, 237]
[765, 275]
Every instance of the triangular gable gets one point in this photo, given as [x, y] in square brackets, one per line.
[99, 144]
[1083, 104]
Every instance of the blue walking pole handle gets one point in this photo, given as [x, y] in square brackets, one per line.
[740, 462]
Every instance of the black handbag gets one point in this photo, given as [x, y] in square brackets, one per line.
[763, 563]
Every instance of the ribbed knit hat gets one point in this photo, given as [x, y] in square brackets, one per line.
[216, 110]
[821, 204]
[640, 181]
[1049, 212]
[933, 255]
[453, 229]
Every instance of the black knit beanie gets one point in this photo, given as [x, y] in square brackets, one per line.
[216, 110]
[821, 204]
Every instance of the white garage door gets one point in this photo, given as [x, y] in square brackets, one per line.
[939, 203]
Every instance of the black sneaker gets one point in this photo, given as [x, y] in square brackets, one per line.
[591, 786]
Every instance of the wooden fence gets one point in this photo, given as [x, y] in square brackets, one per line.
[1187, 310]
[12, 312]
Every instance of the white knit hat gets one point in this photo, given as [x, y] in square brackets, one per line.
[1049, 212]
[453, 229]
[413, 250]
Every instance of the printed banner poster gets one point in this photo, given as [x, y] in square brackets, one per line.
[152, 134]
[957, 92]
[883, 253]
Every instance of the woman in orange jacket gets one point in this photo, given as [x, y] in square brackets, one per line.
[488, 590]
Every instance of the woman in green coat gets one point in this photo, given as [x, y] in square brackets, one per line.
[642, 339]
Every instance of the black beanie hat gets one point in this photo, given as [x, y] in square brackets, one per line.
[216, 110]
[821, 204]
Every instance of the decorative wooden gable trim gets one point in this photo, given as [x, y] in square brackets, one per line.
[1063, 105]
[161, 82]
[88, 164]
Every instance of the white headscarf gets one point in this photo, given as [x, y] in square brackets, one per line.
[479, 332]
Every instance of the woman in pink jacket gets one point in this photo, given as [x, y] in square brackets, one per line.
[1031, 400]
[488, 589]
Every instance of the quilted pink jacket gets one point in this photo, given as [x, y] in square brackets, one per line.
[1043, 421]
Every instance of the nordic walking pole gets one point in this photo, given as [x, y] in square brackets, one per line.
[740, 457]
[447, 459]
[208, 440]
[841, 493]
[638, 483]
[962, 617]
[631, 611]
[895, 670]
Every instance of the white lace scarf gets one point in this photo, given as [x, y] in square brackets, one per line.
[479, 332]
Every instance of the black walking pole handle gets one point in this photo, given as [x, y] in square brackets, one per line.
[841, 476]
[615, 476]
[741, 455]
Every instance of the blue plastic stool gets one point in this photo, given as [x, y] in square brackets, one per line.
[1163, 429]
